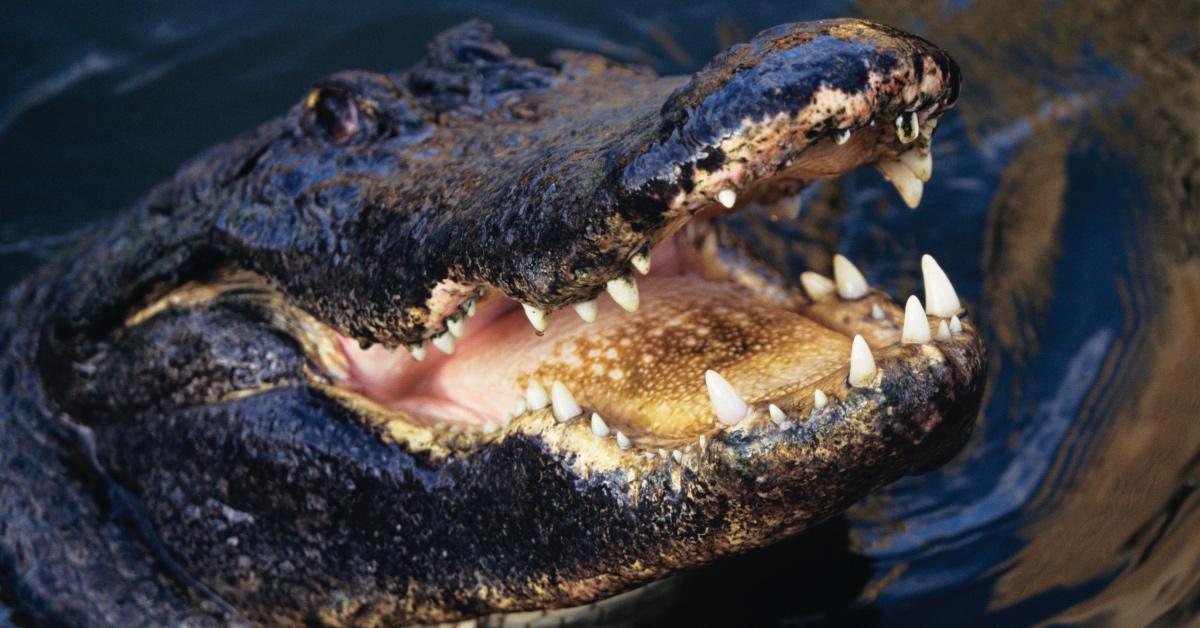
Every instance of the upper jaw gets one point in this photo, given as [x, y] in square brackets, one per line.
[762, 119]
[759, 122]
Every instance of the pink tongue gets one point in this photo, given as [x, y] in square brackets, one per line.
[644, 369]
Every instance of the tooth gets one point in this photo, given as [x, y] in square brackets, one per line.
[940, 298]
[490, 427]
[624, 291]
[623, 440]
[599, 427]
[417, 350]
[841, 137]
[457, 325]
[916, 326]
[943, 331]
[703, 441]
[468, 306]
[519, 408]
[641, 261]
[727, 198]
[777, 415]
[921, 165]
[563, 403]
[876, 312]
[444, 342]
[535, 396]
[908, 127]
[727, 404]
[862, 365]
[538, 317]
[677, 455]
[905, 182]
[818, 286]
[850, 282]
[586, 310]
[819, 399]
[662, 453]
[955, 325]
[648, 455]
[787, 206]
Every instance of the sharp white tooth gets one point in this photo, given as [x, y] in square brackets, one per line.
[649, 455]
[777, 415]
[490, 427]
[820, 400]
[641, 261]
[538, 317]
[444, 342]
[862, 364]
[850, 282]
[943, 331]
[519, 408]
[921, 165]
[662, 453]
[623, 440]
[457, 325]
[841, 137]
[940, 298]
[587, 310]
[417, 350]
[905, 182]
[727, 198]
[468, 306]
[599, 427]
[677, 455]
[908, 127]
[818, 286]
[876, 312]
[787, 206]
[955, 325]
[703, 442]
[727, 404]
[563, 403]
[535, 396]
[624, 291]
[916, 325]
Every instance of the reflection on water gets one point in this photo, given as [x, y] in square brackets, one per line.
[1064, 204]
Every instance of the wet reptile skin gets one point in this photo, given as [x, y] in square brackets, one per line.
[198, 464]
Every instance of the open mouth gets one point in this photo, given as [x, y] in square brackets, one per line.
[693, 336]
[654, 324]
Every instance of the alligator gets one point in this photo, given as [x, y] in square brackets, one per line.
[297, 384]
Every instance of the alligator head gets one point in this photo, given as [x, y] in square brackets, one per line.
[251, 343]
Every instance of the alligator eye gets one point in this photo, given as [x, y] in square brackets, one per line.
[333, 110]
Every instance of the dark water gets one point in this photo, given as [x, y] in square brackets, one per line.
[1065, 205]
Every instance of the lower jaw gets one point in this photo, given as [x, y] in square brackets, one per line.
[643, 371]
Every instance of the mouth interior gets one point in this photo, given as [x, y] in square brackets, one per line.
[642, 371]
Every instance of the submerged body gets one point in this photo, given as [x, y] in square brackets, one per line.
[226, 405]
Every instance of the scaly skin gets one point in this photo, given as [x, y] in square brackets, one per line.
[177, 440]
